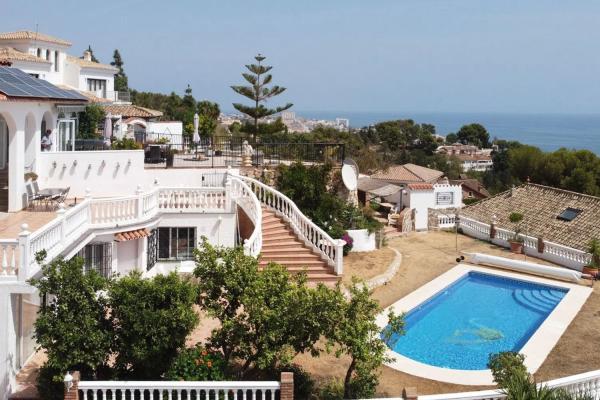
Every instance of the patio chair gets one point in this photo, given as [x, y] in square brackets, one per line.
[61, 197]
[32, 195]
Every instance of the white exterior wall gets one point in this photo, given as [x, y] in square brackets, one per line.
[421, 201]
[170, 129]
[455, 190]
[16, 114]
[98, 171]
[127, 257]
[90, 73]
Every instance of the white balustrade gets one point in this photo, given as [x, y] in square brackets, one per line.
[179, 390]
[120, 210]
[587, 383]
[446, 221]
[244, 197]
[554, 252]
[192, 199]
[331, 249]
[8, 257]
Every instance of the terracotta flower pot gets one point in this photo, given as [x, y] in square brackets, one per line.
[590, 270]
[516, 247]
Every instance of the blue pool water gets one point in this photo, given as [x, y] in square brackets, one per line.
[477, 315]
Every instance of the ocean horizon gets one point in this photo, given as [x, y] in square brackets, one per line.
[549, 132]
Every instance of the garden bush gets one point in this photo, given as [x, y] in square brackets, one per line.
[197, 364]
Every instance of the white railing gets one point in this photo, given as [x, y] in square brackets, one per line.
[61, 232]
[446, 221]
[8, 257]
[245, 198]
[152, 390]
[330, 249]
[587, 383]
[554, 252]
[191, 200]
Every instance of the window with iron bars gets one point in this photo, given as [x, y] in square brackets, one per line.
[98, 257]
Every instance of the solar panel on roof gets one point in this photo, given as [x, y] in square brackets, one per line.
[569, 214]
[16, 83]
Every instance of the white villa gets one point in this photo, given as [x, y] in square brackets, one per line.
[119, 214]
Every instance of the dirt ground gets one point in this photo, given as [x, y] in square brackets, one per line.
[424, 257]
[366, 265]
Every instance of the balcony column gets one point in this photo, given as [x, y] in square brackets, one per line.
[17, 196]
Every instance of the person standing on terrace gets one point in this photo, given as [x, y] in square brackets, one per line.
[47, 141]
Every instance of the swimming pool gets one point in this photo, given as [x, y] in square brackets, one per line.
[475, 316]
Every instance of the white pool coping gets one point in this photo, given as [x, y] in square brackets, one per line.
[535, 350]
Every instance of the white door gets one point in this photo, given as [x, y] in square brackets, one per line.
[66, 135]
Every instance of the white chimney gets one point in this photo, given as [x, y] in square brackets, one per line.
[87, 55]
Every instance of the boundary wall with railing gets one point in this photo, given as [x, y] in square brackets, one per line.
[587, 383]
[536, 247]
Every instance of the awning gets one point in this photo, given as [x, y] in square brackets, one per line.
[131, 235]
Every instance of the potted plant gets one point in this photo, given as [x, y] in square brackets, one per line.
[516, 243]
[170, 156]
[594, 265]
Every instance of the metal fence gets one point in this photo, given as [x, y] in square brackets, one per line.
[223, 151]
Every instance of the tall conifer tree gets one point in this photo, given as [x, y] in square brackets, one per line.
[121, 84]
[258, 92]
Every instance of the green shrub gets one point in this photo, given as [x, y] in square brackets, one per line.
[332, 390]
[506, 365]
[197, 364]
[125, 144]
[304, 385]
[50, 383]
[151, 319]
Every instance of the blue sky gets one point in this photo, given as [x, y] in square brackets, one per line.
[526, 56]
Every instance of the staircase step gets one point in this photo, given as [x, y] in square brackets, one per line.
[286, 258]
[280, 243]
[286, 250]
[294, 262]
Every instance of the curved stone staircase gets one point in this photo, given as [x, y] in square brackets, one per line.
[281, 245]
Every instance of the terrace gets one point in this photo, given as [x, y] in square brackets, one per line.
[426, 256]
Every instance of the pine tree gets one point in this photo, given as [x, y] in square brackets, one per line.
[94, 59]
[258, 92]
[121, 84]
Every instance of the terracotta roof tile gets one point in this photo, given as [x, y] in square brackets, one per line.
[29, 35]
[408, 173]
[131, 235]
[540, 206]
[90, 64]
[420, 186]
[130, 110]
[11, 54]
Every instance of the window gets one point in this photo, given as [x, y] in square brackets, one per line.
[37, 76]
[98, 86]
[569, 214]
[39, 52]
[444, 198]
[47, 55]
[176, 243]
[97, 256]
[56, 60]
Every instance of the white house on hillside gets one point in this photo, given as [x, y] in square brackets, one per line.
[46, 57]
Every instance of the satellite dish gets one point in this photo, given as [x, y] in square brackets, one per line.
[353, 164]
[349, 176]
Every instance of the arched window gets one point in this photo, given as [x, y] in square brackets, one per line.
[39, 52]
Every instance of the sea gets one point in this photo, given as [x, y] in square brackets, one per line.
[549, 132]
